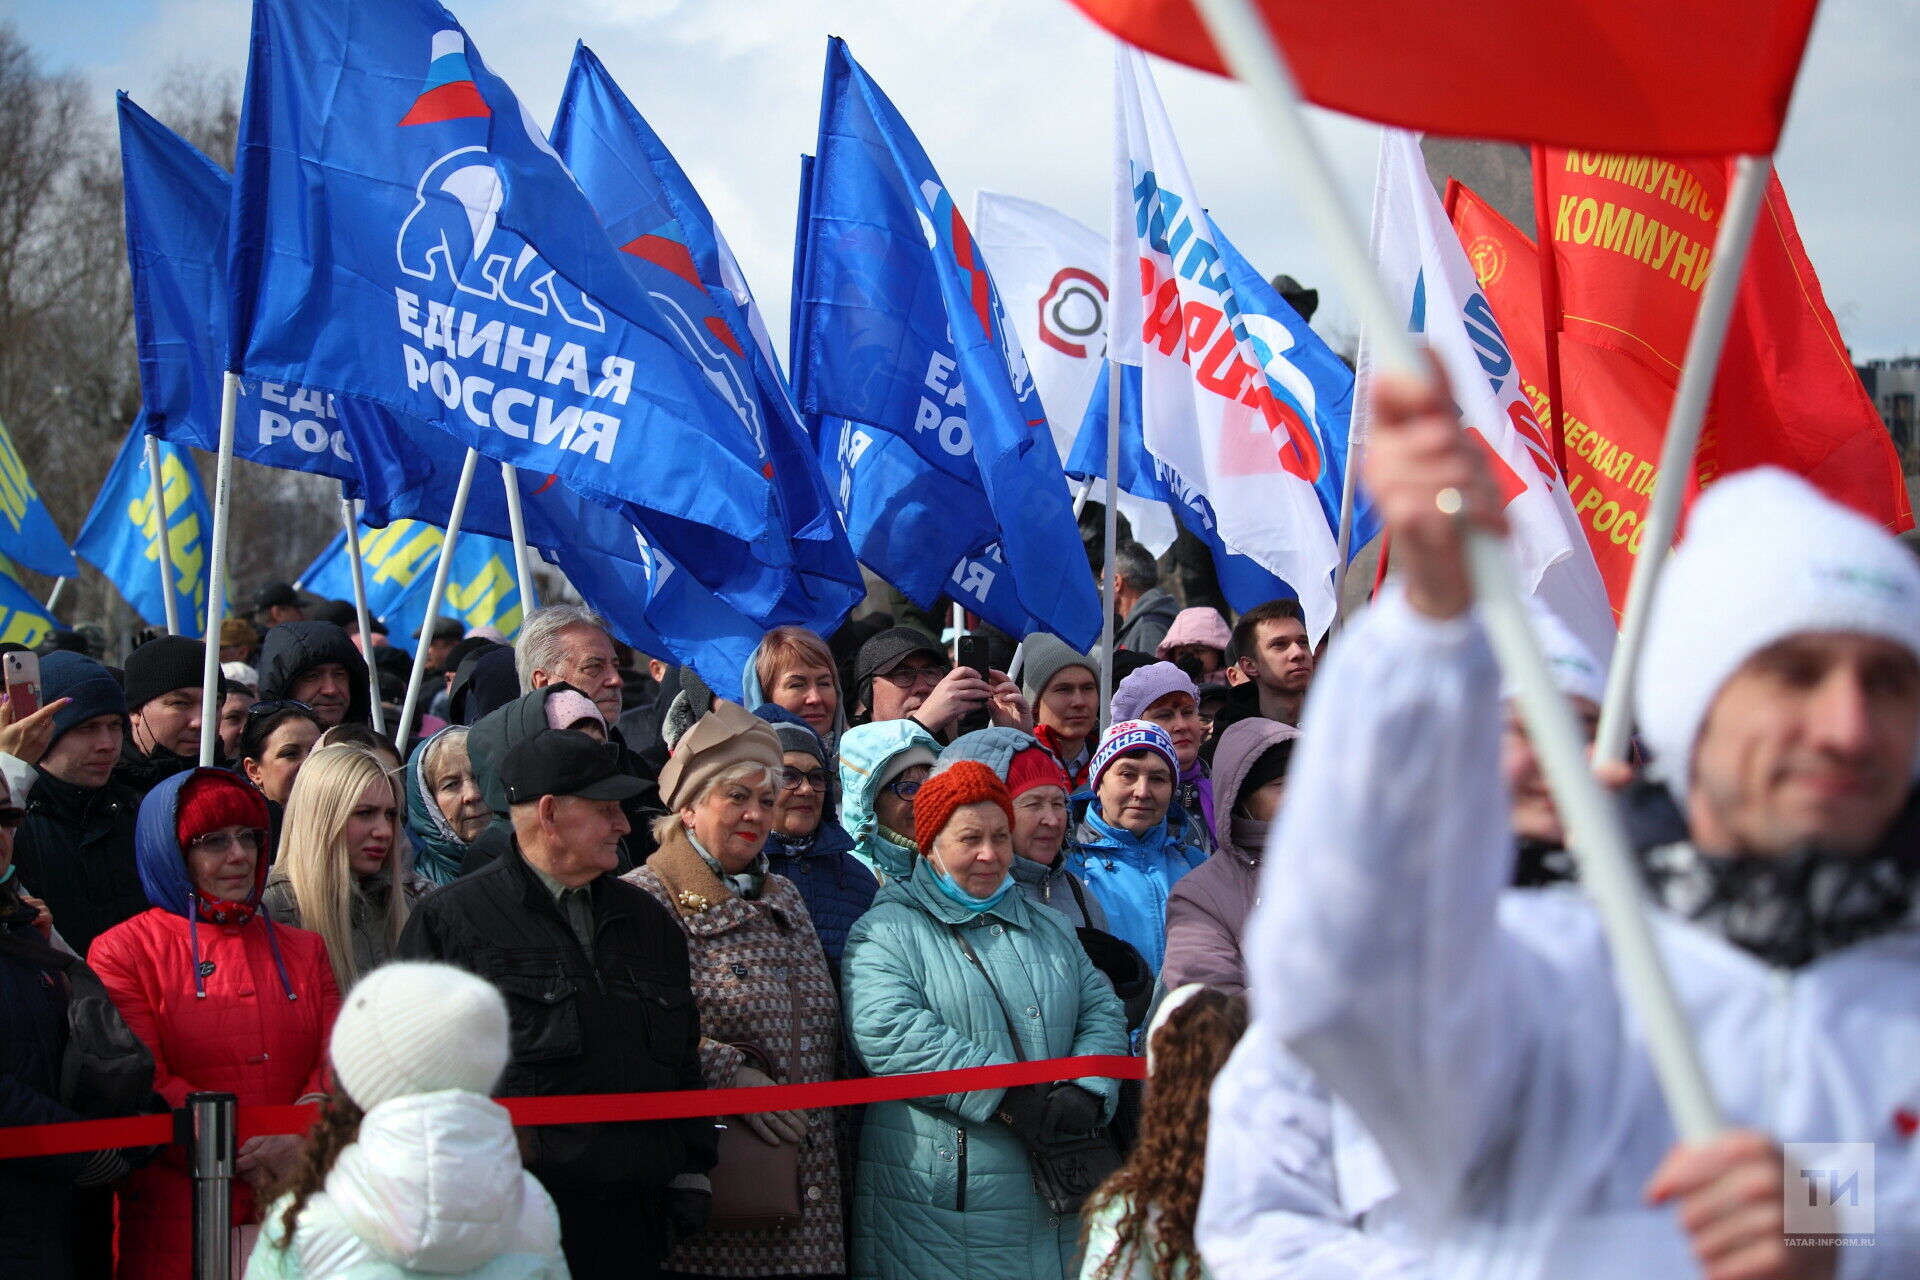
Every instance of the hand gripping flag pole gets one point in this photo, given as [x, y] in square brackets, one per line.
[350, 522]
[404, 729]
[517, 527]
[163, 546]
[216, 570]
[1596, 836]
[1745, 196]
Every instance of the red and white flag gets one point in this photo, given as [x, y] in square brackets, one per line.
[1432, 283]
[1051, 271]
[1233, 443]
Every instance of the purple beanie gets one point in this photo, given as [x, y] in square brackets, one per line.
[1147, 686]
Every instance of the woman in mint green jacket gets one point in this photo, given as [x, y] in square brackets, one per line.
[944, 1188]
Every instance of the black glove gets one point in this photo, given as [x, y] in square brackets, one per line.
[687, 1212]
[1071, 1112]
[1023, 1109]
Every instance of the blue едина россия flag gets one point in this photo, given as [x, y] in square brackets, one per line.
[462, 278]
[948, 480]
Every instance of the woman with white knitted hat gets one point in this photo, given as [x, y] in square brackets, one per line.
[411, 1169]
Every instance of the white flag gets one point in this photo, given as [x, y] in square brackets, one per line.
[1430, 279]
[1051, 271]
[1230, 439]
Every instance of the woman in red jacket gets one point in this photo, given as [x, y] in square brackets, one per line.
[226, 1000]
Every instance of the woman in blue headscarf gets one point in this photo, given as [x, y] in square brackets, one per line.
[445, 806]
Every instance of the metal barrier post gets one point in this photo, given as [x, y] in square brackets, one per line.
[212, 1121]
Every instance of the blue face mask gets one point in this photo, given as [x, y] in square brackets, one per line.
[960, 897]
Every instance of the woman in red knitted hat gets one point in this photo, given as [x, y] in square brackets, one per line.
[950, 968]
[226, 1000]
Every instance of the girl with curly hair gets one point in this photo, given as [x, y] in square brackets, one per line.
[1140, 1221]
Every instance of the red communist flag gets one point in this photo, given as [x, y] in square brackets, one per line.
[1633, 237]
[1799, 405]
[1701, 77]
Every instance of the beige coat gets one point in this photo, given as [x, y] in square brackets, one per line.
[741, 953]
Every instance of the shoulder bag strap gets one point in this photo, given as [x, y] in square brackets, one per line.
[1013, 1035]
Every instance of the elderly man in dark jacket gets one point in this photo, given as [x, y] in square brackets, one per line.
[597, 984]
[316, 663]
[493, 738]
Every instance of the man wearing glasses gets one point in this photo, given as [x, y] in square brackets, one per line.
[901, 674]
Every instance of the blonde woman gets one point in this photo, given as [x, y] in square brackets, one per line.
[342, 869]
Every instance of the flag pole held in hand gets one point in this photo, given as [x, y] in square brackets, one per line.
[1598, 840]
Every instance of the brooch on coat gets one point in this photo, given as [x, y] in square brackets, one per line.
[691, 902]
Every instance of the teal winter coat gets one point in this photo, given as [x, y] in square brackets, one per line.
[943, 1190]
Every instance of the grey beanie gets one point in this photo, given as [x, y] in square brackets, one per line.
[1045, 656]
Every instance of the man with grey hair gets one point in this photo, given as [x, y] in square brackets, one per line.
[1145, 611]
[570, 644]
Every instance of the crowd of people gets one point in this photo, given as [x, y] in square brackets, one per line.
[1333, 906]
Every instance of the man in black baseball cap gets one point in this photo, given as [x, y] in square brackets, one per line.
[548, 907]
[278, 602]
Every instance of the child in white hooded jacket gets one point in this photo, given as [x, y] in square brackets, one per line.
[413, 1170]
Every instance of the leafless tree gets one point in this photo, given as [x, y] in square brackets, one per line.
[69, 378]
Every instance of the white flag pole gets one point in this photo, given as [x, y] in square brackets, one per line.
[1111, 528]
[1596, 836]
[434, 597]
[1745, 197]
[217, 571]
[1348, 484]
[1080, 498]
[350, 522]
[517, 526]
[53, 597]
[163, 546]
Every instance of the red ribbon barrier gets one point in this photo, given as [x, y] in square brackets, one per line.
[147, 1131]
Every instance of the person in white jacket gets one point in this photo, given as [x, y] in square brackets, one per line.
[413, 1170]
[1478, 1034]
[1297, 1189]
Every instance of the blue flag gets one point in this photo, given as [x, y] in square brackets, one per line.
[399, 561]
[1292, 355]
[121, 537]
[28, 535]
[948, 479]
[177, 202]
[676, 252]
[22, 618]
[459, 276]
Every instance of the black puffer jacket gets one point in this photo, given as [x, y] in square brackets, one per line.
[74, 851]
[499, 732]
[292, 647]
[141, 771]
[36, 1197]
[623, 1021]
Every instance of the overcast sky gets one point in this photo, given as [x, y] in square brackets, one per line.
[1014, 96]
